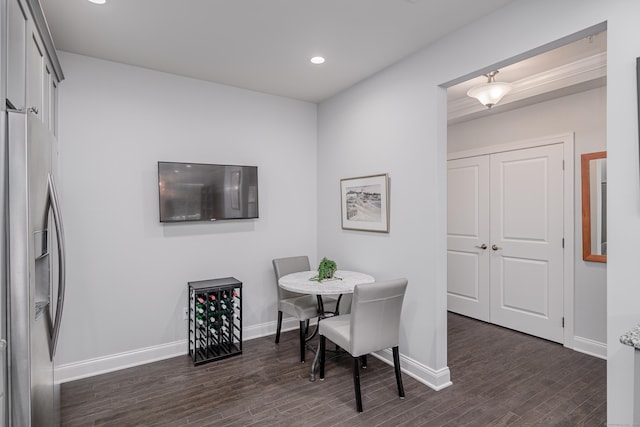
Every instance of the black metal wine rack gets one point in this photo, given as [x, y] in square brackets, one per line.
[215, 319]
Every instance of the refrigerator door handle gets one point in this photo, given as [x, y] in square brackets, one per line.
[57, 219]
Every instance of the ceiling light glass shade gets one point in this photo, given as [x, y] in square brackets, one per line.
[490, 93]
[98, 1]
[317, 60]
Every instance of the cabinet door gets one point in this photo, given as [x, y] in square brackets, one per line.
[35, 70]
[53, 101]
[16, 53]
[49, 96]
[46, 94]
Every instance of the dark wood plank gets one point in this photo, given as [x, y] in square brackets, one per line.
[500, 377]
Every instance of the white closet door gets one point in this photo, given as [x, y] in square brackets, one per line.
[526, 241]
[468, 233]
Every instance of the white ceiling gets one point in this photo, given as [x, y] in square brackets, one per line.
[262, 45]
[265, 45]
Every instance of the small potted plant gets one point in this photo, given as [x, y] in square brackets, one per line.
[326, 269]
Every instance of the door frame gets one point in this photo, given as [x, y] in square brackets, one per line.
[567, 141]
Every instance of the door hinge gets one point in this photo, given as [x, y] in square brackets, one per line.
[563, 243]
[563, 165]
[563, 322]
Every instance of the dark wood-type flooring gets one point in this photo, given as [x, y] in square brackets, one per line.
[500, 377]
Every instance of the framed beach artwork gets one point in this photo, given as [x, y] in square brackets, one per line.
[365, 203]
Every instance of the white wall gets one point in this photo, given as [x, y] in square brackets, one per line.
[623, 198]
[584, 114]
[383, 126]
[396, 122]
[127, 273]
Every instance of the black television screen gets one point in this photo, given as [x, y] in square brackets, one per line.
[204, 192]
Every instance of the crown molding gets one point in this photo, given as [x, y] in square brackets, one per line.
[576, 73]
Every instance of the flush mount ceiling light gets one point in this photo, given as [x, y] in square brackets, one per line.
[490, 93]
[317, 60]
[98, 1]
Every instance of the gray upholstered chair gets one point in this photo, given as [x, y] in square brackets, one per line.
[374, 324]
[301, 306]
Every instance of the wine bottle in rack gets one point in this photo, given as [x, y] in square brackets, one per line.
[224, 303]
[232, 310]
[212, 313]
[200, 319]
[200, 309]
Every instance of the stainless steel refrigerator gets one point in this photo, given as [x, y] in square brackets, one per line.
[33, 259]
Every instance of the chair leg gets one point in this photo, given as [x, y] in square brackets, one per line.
[303, 338]
[363, 361]
[396, 365]
[278, 327]
[356, 382]
[306, 327]
[323, 344]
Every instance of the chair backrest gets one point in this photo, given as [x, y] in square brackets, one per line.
[284, 266]
[375, 316]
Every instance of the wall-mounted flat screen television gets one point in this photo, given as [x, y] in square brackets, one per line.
[206, 192]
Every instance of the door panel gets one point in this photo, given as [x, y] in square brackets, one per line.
[463, 275]
[526, 237]
[525, 284]
[467, 232]
[524, 189]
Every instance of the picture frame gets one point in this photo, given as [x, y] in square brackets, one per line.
[365, 203]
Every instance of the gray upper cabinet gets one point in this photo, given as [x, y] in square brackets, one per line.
[32, 69]
[16, 53]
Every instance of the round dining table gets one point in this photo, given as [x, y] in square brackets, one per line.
[305, 282]
[343, 282]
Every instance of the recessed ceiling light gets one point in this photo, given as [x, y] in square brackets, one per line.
[98, 1]
[317, 60]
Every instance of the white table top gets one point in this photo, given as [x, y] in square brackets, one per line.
[301, 283]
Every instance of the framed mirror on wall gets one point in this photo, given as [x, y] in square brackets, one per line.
[594, 206]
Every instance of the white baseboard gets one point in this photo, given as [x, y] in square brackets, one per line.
[101, 365]
[269, 328]
[115, 362]
[590, 347]
[437, 380]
